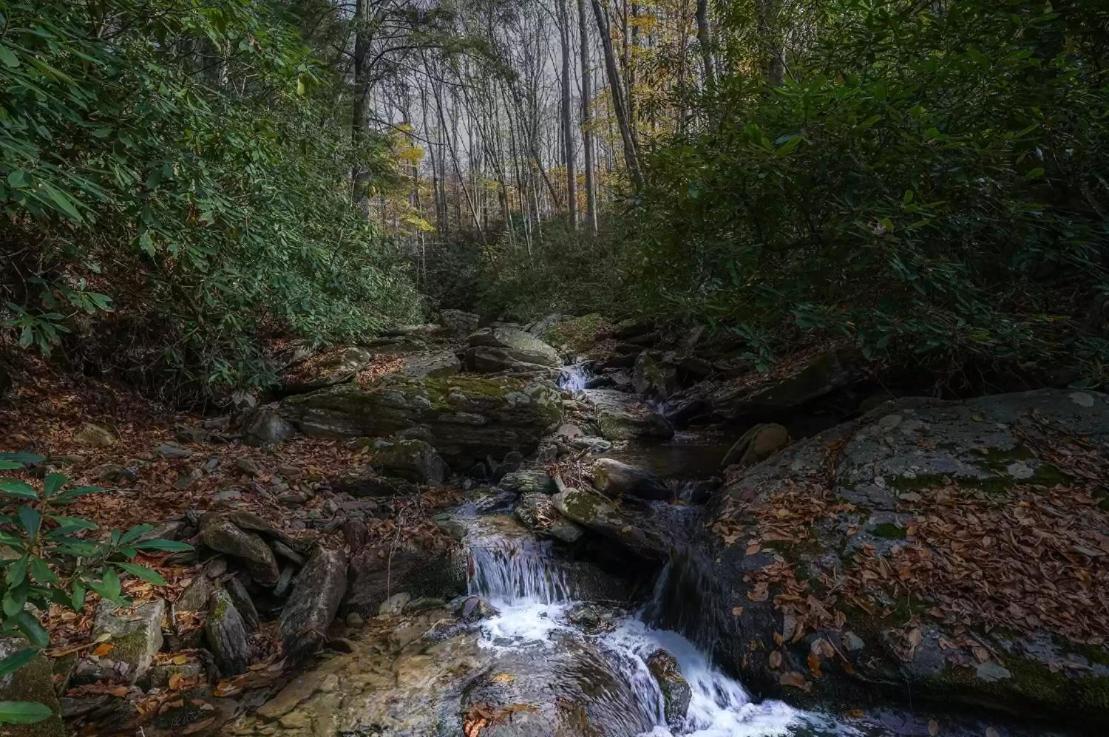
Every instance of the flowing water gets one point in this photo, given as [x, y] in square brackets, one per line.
[524, 580]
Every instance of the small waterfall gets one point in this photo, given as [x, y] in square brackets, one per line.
[516, 570]
[573, 378]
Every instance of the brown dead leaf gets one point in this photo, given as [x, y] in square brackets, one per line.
[775, 660]
[793, 679]
[103, 649]
[814, 665]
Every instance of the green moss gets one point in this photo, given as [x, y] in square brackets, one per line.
[888, 531]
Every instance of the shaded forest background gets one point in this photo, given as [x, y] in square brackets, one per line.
[186, 185]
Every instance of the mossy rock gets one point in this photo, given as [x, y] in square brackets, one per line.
[31, 683]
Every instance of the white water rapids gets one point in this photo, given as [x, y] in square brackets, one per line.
[521, 578]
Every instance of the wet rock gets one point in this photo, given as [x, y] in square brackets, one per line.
[459, 322]
[500, 348]
[756, 445]
[597, 514]
[265, 426]
[538, 513]
[555, 693]
[473, 609]
[528, 481]
[412, 460]
[412, 568]
[33, 683]
[615, 479]
[467, 417]
[221, 534]
[227, 635]
[653, 376]
[135, 634]
[317, 593]
[95, 436]
[676, 693]
[619, 416]
[908, 462]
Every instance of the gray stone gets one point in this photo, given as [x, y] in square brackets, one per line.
[135, 634]
[331, 367]
[597, 514]
[615, 479]
[394, 605]
[221, 534]
[653, 376]
[527, 481]
[265, 426]
[500, 348]
[227, 635]
[435, 365]
[619, 416]
[95, 436]
[538, 513]
[756, 445]
[172, 451]
[412, 460]
[459, 322]
[317, 593]
[240, 597]
[467, 417]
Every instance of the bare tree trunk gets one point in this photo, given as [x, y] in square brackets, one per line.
[704, 40]
[627, 135]
[567, 125]
[586, 121]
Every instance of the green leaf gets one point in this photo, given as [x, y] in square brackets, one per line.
[41, 572]
[16, 660]
[52, 483]
[17, 488]
[23, 712]
[142, 572]
[31, 519]
[17, 572]
[77, 597]
[63, 201]
[31, 627]
[108, 586]
[168, 546]
[8, 57]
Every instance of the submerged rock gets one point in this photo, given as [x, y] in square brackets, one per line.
[930, 505]
[676, 693]
[468, 418]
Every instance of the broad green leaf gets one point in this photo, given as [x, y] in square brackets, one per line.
[142, 572]
[31, 519]
[41, 572]
[16, 660]
[52, 483]
[33, 629]
[8, 57]
[17, 488]
[23, 712]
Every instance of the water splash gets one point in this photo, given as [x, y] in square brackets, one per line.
[573, 378]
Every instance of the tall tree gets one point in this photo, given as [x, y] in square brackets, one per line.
[586, 118]
[616, 87]
[704, 40]
[567, 116]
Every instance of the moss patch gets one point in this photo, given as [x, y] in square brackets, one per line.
[888, 531]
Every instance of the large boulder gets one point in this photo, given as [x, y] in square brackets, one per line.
[756, 445]
[437, 364]
[410, 459]
[619, 416]
[615, 479]
[458, 322]
[952, 551]
[264, 426]
[31, 683]
[468, 418]
[329, 367]
[317, 593]
[676, 693]
[597, 514]
[415, 568]
[798, 383]
[504, 347]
